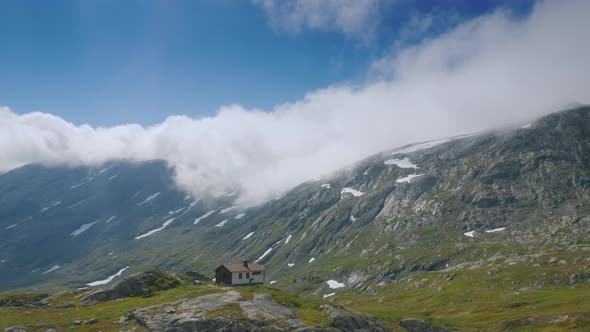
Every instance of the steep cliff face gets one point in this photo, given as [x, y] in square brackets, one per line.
[425, 207]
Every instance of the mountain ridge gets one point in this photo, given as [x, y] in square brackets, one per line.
[385, 206]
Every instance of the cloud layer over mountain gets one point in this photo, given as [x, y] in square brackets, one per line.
[486, 73]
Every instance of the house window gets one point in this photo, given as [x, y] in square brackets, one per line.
[256, 273]
[240, 275]
[248, 275]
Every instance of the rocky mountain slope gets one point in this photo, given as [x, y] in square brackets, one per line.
[522, 186]
[516, 198]
[52, 218]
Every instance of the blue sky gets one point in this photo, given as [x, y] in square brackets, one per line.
[376, 74]
[113, 62]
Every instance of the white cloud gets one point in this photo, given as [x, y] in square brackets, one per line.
[356, 18]
[486, 73]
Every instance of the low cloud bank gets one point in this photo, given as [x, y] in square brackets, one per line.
[487, 73]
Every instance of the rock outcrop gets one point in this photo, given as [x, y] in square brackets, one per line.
[139, 284]
[231, 312]
[23, 300]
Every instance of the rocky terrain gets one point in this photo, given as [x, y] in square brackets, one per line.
[230, 311]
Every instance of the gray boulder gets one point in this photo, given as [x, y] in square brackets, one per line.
[15, 329]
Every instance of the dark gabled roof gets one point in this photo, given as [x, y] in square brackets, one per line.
[252, 267]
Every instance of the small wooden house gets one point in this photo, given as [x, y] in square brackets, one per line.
[240, 274]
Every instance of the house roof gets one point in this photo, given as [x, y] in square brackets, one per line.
[252, 267]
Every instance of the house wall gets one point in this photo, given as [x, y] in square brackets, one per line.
[256, 279]
[222, 273]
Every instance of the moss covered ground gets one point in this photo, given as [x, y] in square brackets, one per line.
[515, 296]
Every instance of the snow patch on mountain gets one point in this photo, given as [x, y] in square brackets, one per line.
[422, 146]
[83, 228]
[50, 206]
[264, 255]
[82, 182]
[401, 163]
[495, 230]
[204, 216]
[354, 192]
[166, 223]
[176, 211]
[191, 205]
[78, 203]
[248, 236]
[333, 284]
[53, 268]
[221, 223]
[107, 280]
[149, 198]
[105, 169]
[408, 178]
[227, 209]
